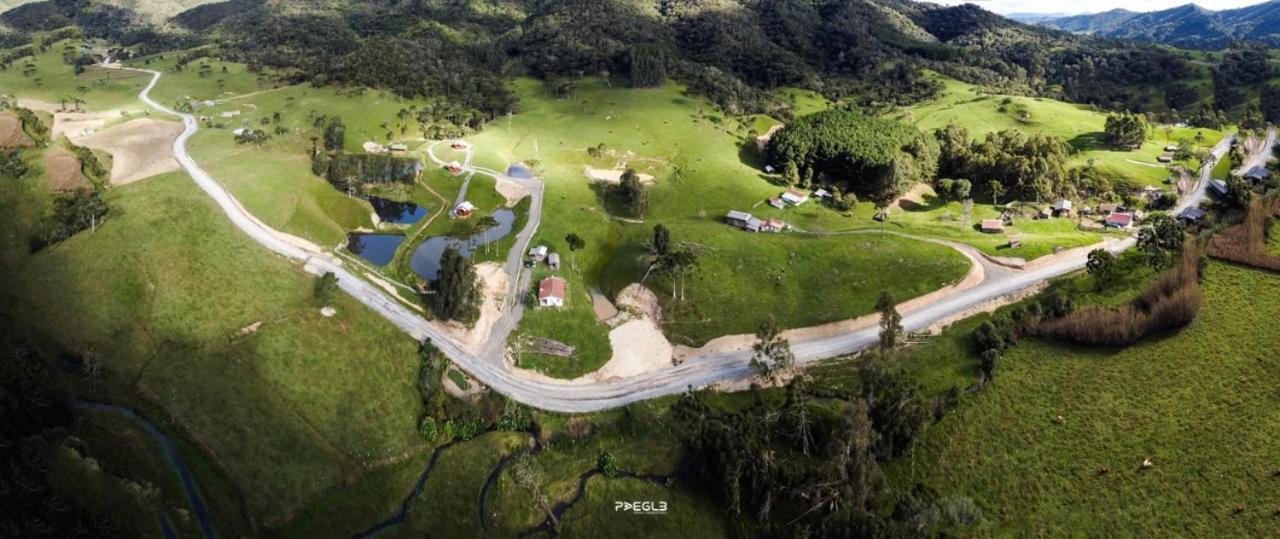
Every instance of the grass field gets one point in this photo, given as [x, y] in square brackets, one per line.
[287, 410]
[1198, 403]
[53, 80]
[1079, 125]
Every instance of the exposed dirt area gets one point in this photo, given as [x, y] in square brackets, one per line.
[62, 171]
[613, 175]
[1068, 253]
[494, 284]
[914, 197]
[986, 307]
[638, 347]
[11, 133]
[604, 309]
[73, 125]
[139, 148]
[640, 300]
[511, 191]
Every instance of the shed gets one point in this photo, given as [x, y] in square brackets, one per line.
[1165, 158]
[822, 193]
[794, 196]
[1120, 220]
[737, 218]
[773, 225]
[538, 253]
[398, 147]
[240, 131]
[753, 225]
[1258, 174]
[1063, 204]
[551, 292]
[1171, 148]
[1218, 187]
[1191, 216]
[992, 225]
[553, 260]
[1015, 241]
[777, 203]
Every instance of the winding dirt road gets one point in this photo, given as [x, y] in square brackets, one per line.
[563, 396]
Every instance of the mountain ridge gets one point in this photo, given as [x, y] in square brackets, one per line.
[1189, 25]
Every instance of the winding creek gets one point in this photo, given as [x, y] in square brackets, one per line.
[172, 455]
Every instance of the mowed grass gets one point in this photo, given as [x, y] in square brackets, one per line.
[962, 104]
[54, 80]
[162, 290]
[687, 514]
[697, 158]
[1200, 403]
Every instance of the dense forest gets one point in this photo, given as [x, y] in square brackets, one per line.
[868, 51]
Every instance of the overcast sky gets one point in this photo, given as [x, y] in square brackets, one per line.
[1092, 6]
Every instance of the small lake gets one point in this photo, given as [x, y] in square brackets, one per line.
[426, 257]
[400, 213]
[376, 248]
[520, 170]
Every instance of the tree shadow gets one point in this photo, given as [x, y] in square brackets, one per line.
[611, 198]
[750, 155]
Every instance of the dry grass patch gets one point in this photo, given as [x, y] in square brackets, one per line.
[11, 133]
[139, 148]
[62, 171]
[1246, 243]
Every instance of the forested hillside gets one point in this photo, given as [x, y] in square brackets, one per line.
[1188, 26]
[867, 51]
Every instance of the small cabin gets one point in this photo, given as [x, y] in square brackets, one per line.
[553, 261]
[794, 197]
[539, 253]
[453, 167]
[1120, 221]
[464, 210]
[551, 292]
[737, 218]
[992, 226]
[773, 225]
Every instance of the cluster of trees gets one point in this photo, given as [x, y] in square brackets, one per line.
[633, 194]
[455, 295]
[1126, 129]
[1005, 163]
[811, 465]
[874, 157]
[994, 337]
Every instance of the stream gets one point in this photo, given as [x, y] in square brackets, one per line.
[171, 453]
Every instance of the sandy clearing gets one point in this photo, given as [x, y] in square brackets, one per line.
[495, 282]
[612, 175]
[638, 347]
[914, 196]
[11, 133]
[62, 172]
[604, 309]
[139, 148]
[511, 191]
[71, 124]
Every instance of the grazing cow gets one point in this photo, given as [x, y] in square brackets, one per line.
[1104, 470]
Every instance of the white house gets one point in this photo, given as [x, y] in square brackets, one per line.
[551, 292]
[795, 197]
[538, 253]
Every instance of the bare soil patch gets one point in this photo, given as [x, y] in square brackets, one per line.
[139, 148]
[612, 175]
[511, 191]
[11, 133]
[495, 282]
[62, 172]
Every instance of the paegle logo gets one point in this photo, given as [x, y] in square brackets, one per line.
[641, 508]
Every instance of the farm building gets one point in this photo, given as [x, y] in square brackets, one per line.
[1046, 213]
[1191, 216]
[777, 203]
[737, 218]
[795, 197]
[773, 225]
[398, 147]
[553, 261]
[1165, 158]
[373, 147]
[459, 145]
[1120, 220]
[992, 225]
[753, 225]
[539, 253]
[551, 292]
[1108, 208]
[1015, 241]
[1258, 174]
[822, 193]
[1063, 208]
[240, 131]
[1218, 187]
[1171, 148]
[464, 210]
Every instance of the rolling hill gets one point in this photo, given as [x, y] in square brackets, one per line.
[1189, 26]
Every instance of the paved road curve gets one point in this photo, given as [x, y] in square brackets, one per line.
[566, 396]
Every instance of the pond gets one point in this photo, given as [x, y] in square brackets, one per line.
[376, 248]
[393, 211]
[426, 257]
[520, 170]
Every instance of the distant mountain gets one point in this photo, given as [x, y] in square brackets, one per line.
[1189, 26]
[1034, 18]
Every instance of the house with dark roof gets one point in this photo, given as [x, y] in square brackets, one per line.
[1258, 174]
[1191, 216]
[1218, 187]
[737, 218]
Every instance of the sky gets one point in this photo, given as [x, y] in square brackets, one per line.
[1093, 6]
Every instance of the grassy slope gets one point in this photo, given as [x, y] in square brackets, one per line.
[1077, 124]
[160, 291]
[54, 80]
[1198, 403]
[695, 155]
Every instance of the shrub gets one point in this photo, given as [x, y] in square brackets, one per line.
[608, 464]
